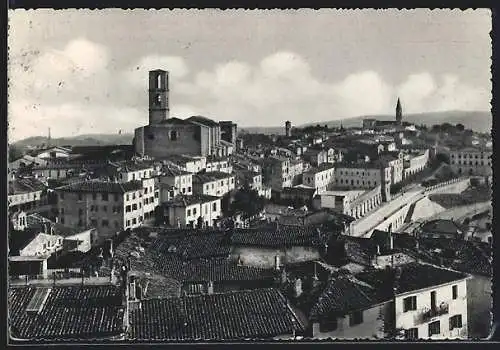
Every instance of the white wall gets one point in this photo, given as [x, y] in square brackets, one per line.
[411, 319]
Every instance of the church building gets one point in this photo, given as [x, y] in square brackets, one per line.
[165, 136]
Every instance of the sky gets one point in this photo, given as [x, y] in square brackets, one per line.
[82, 71]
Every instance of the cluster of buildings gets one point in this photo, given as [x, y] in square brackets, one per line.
[143, 223]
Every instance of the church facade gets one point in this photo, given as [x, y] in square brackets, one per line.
[165, 136]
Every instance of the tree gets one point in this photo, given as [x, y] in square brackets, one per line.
[460, 127]
[248, 202]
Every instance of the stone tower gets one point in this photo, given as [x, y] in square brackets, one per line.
[399, 112]
[288, 128]
[158, 96]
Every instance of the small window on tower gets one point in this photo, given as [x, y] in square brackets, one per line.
[158, 100]
[158, 81]
[173, 135]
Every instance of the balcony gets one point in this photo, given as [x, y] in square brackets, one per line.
[440, 310]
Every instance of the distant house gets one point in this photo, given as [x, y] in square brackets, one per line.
[214, 183]
[190, 211]
[26, 194]
[441, 229]
[53, 153]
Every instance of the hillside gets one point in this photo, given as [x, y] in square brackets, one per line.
[476, 120]
[80, 140]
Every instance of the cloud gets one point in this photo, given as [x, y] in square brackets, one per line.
[79, 90]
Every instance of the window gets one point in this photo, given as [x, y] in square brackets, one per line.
[133, 195]
[409, 303]
[434, 328]
[80, 197]
[411, 333]
[214, 207]
[133, 176]
[140, 205]
[93, 222]
[94, 196]
[173, 135]
[62, 219]
[116, 197]
[356, 318]
[156, 194]
[127, 209]
[117, 224]
[454, 292]
[146, 190]
[105, 223]
[194, 211]
[128, 196]
[189, 189]
[62, 211]
[104, 196]
[80, 211]
[328, 325]
[134, 221]
[128, 223]
[134, 206]
[80, 222]
[104, 208]
[455, 322]
[188, 212]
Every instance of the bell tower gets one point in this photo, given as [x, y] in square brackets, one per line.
[399, 112]
[158, 96]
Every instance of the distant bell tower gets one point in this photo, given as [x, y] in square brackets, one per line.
[288, 128]
[158, 96]
[399, 112]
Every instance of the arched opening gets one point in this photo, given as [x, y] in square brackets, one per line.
[158, 81]
[173, 135]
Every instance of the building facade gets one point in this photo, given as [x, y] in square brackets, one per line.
[319, 178]
[471, 161]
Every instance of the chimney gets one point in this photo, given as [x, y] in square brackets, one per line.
[277, 262]
[210, 288]
[298, 287]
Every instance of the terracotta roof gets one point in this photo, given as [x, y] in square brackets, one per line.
[192, 244]
[25, 185]
[281, 236]
[414, 276]
[74, 312]
[183, 200]
[342, 295]
[102, 187]
[211, 176]
[261, 313]
[320, 168]
[173, 171]
[202, 120]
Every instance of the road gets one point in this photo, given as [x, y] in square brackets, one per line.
[368, 222]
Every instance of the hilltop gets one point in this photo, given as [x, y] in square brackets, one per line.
[476, 120]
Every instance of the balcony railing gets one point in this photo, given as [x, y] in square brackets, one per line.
[428, 314]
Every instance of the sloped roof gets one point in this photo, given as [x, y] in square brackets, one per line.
[202, 120]
[261, 313]
[102, 187]
[342, 295]
[26, 185]
[77, 312]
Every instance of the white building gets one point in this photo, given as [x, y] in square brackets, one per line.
[189, 211]
[180, 181]
[215, 164]
[471, 161]
[429, 303]
[320, 177]
[214, 183]
[415, 162]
